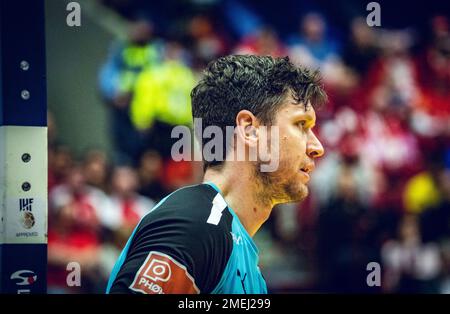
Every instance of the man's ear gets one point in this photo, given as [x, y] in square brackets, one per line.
[247, 127]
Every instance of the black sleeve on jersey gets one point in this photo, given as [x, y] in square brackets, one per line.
[179, 229]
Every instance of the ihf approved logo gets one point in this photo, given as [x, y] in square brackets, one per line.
[25, 206]
[27, 219]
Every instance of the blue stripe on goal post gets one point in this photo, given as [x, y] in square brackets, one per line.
[23, 147]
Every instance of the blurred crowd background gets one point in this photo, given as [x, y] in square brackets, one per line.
[381, 193]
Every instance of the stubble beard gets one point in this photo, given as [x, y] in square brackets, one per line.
[281, 186]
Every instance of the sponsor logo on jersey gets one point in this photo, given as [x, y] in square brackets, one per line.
[236, 239]
[160, 273]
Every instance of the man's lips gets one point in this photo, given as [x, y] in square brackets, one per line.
[307, 169]
[305, 174]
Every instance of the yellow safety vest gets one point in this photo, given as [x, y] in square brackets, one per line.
[162, 92]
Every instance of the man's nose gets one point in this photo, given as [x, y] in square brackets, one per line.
[314, 148]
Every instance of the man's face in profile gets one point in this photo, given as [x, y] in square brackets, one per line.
[298, 146]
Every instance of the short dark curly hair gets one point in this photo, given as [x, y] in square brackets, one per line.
[255, 83]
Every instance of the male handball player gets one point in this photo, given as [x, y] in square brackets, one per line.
[199, 238]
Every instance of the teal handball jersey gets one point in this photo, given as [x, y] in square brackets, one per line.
[191, 242]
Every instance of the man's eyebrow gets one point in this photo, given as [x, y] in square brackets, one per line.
[304, 115]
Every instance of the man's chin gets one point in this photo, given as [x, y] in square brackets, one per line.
[297, 192]
[303, 194]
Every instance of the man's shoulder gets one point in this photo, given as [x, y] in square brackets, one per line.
[179, 228]
[189, 206]
[199, 194]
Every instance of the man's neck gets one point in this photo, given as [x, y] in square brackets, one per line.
[243, 194]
